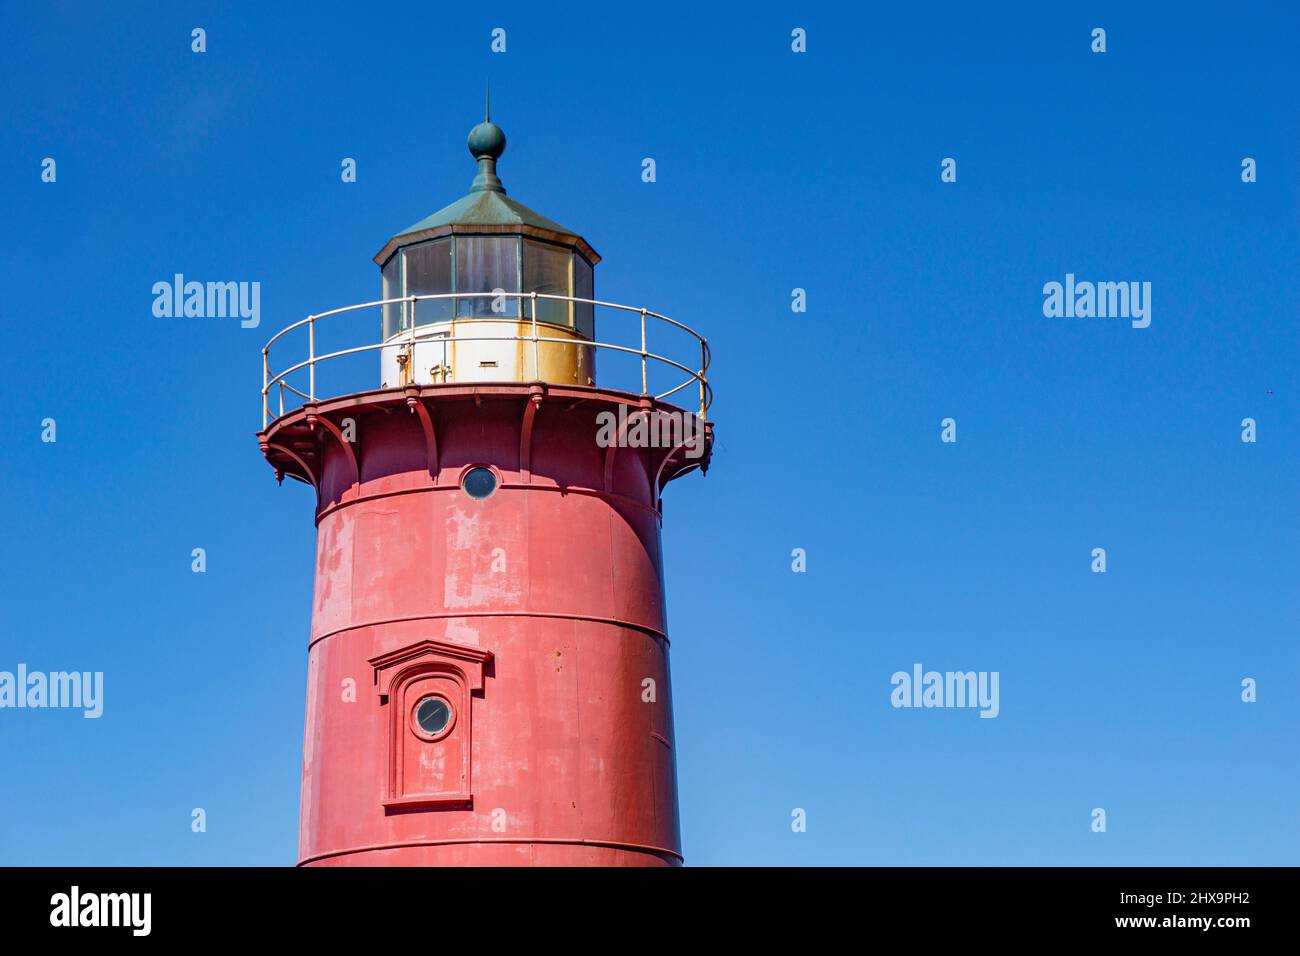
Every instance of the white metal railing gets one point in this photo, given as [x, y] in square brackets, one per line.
[410, 340]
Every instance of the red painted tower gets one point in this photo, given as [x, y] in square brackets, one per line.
[488, 677]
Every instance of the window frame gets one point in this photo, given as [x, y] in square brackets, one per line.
[464, 668]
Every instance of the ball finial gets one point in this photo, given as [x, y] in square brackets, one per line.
[486, 139]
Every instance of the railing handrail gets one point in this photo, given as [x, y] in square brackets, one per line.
[270, 381]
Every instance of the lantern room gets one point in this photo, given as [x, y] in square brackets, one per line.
[487, 290]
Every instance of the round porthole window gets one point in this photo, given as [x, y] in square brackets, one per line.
[479, 482]
[433, 716]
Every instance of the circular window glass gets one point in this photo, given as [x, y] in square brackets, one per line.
[433, 714]
[479, 482]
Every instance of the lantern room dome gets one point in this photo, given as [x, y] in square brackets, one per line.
[486, 209]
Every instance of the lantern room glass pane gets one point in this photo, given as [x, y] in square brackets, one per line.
[583, 288]
[485, 263]
[546, 270]
[392, 289]
[428, 272]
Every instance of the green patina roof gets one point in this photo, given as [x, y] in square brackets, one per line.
[487, 208]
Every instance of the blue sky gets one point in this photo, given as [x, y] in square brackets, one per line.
[774, 171]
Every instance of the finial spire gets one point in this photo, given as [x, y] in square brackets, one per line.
[487, 104]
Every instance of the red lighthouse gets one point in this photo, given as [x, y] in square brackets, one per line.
[488, 678]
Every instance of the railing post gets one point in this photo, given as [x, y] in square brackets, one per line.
[311, 356]
[643, 353]
[537, 363]
[266, 373]
[704, 362]
[281, 398]
[410, 360]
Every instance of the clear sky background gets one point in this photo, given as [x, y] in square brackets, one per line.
[774, 171]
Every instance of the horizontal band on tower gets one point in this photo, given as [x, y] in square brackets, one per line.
[505, 486]
[470, 841]
[550, 615]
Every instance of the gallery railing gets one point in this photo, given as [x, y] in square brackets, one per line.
[411, 332]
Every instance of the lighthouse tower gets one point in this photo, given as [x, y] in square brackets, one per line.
[488, 678]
